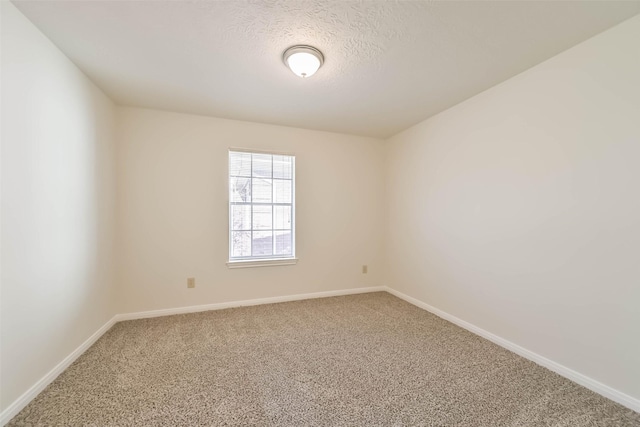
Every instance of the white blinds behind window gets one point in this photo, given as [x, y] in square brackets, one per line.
[261, 206]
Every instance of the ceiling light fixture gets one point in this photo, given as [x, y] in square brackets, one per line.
[303, 60]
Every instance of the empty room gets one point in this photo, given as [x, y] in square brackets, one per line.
[320, 213]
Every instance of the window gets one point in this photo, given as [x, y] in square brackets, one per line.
[261, 207]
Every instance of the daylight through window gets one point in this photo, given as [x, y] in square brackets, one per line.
[261, 206]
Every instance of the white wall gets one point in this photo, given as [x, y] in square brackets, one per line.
[57, 206]
[173, 210]
[519, 210]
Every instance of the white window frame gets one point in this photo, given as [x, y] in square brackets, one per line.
[273, 260]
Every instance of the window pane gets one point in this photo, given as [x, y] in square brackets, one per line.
[282, 217]
[240, 189]
[261, 223]
[241, 217]
[262, 165]
[240, 243]
[262, 218]
[283, 242]
[262, 243]
[261, 190]
[282, 167]
[239, 164]
[281, 191]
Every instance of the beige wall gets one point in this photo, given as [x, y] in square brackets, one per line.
[173, 210]
[57, 206]
[518, 210]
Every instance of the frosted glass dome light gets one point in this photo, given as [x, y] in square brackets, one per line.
[304, 61]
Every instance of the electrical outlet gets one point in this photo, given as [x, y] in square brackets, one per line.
[191, 282]
[365, 269]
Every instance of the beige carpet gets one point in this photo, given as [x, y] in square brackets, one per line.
[363, 360]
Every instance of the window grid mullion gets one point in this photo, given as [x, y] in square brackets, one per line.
[273, 225]
[260, 204]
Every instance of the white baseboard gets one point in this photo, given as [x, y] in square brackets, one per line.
[17, 406]
[245, 303]
[585, 381]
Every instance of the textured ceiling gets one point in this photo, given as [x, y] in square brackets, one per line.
[388, 65]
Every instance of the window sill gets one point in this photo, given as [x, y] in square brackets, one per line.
[262, 262]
